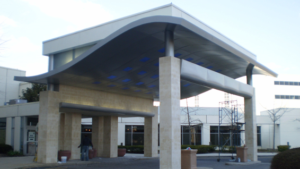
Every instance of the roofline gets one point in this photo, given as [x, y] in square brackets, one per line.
[160, 7]
[115, 20]
[165, 19]
[12, 68]
[212, 28]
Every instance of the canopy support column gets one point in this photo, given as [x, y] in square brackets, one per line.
[97, 134]
[169, 94]
[110, 139]
[73, 134]
[150, 135]
[250, 120]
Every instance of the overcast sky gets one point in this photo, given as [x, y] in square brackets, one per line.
[268, 28]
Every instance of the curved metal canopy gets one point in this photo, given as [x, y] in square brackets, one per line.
[126, 62]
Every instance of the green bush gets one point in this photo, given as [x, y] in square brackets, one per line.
[282, 148]
[14, 153]
[200, 148]
[133, 149]
[4, 148]
[288, 159]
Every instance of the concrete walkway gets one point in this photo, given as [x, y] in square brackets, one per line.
[27, 161]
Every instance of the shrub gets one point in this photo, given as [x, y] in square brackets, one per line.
[282, 148]
[288, 159]
[200, 148]
[14, 153]
[133, 149]
[4, 148]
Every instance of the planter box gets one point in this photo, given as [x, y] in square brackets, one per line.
[241, 152]
[64, 153]
[188, 159]
[121, 152]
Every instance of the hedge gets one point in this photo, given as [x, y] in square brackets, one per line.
[14, 153]
[282, 148]
[200, 148]
[133, 149]
[4, 148]
[288, 159]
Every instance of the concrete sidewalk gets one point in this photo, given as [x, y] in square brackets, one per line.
[27, 161]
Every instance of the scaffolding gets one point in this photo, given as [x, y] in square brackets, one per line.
[229, 110]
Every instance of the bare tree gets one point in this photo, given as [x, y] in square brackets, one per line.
[275, 115]
[191, 121]
[232, 115]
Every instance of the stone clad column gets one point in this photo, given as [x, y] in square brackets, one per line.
[8, 131]
[17, 134]
[61, 132]
[151, 134]
[110, 138]
[72, 134]
[250, 120]
[250, 128]
[49, 119]
[97, 134]
[169, 94]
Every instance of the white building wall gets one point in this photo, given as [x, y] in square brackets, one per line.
[9, 89]
[290, 128]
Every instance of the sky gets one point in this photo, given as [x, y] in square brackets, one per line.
[268, 28]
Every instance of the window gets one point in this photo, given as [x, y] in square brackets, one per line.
[134, 135]
[32, 121]
[286, 97]
[225, 136]
[191, 135]
[258, 135]
[2, 130]
[287, 83]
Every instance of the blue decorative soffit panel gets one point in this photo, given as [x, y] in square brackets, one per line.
[145, 59]
[162, 50]
[189, 59]
[154, 76]
[186, 85]
[177, 54]
[142, 72]
[96, 82]
[139, 83]
[126, 80]
[111, 85]
[218, 70]
[156, 64]
[127, 69]
[200, 63]
[151, 86]
[112, 77]
[125, 88]
[209, 67]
